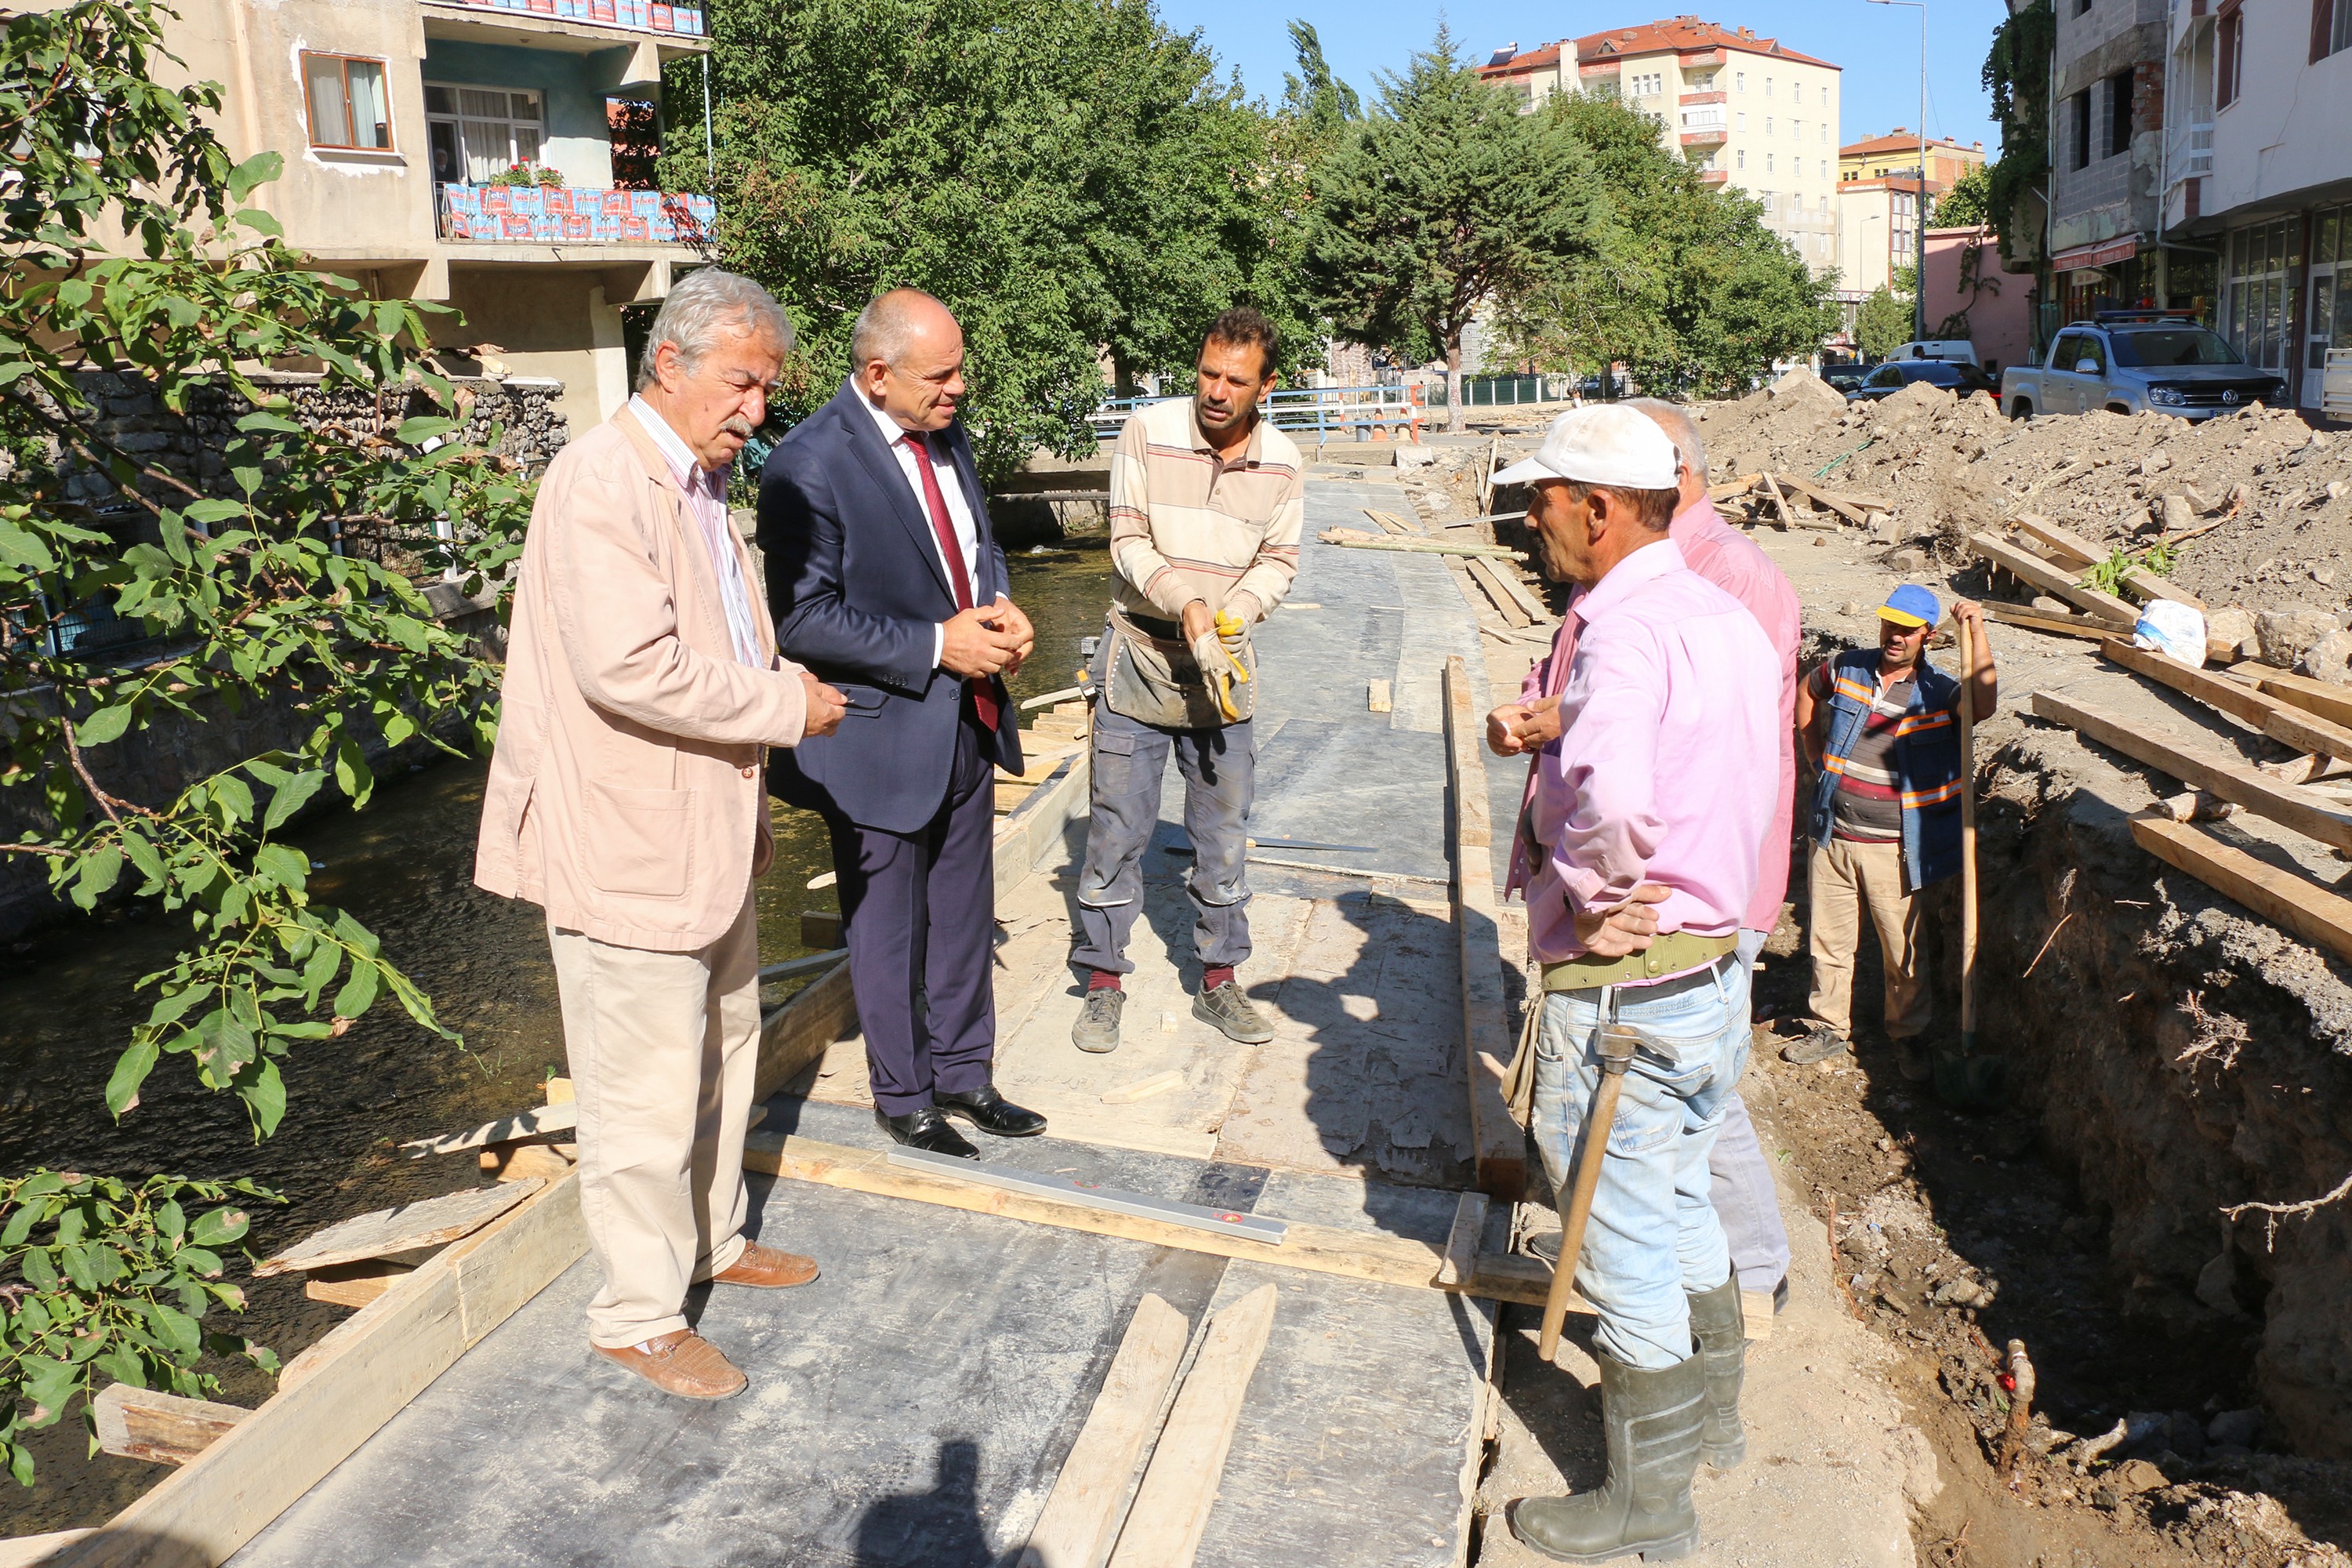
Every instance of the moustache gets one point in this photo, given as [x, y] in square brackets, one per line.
[737, 426]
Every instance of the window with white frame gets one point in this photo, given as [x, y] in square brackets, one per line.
[1743, 120]
[1768, 163]
[344, 97]
[1768, 87]
[1740, 158]
[1740, 80]
[1825, 173]
[480, 131]
[1767, 125]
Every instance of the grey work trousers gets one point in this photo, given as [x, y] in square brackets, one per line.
[1219, 768]
[1741, 1189]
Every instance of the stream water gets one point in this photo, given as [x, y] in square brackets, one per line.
[403, 866]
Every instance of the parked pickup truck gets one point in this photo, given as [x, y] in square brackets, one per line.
[2164, 365]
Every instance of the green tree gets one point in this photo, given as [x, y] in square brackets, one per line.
[1884, 322]
[1683, 284]
[1322, 104]
[1070, 179]
[1968, 203]
[128, 246]
[2017, 77]
[1445, 203]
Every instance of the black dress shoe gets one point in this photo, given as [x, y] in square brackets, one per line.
[992, 1112]
[926, 1129]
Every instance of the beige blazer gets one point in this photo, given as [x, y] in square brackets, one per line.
[626, 795]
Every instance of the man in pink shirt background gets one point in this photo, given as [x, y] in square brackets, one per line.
[1647, 817]
[1746, 1199]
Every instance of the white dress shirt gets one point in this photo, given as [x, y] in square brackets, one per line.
[967, 529]
[706, 502]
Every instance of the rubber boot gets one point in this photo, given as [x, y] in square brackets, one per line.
[1720, 1329]
[1651, 1421]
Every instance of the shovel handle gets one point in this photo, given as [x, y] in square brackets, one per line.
[1968, 838]
[1597, 1127]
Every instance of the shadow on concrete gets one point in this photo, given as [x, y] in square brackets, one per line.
[936, 1529]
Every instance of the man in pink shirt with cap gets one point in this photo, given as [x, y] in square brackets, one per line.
[1648, 814]
[1746, 1198]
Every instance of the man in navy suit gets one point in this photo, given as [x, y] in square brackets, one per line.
[887, 583]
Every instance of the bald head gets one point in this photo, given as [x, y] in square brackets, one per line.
[1683, 431]
[907, 356]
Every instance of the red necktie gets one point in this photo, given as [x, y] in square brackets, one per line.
[983, 694]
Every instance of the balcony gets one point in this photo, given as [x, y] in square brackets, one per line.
[1714, 176]
[578, 215]
[1700, 60]
[630, 15]
[2189, 151]
[1690, 98]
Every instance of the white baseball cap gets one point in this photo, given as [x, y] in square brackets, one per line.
[1600, 445]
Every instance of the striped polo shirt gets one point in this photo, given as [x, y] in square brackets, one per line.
[1186, 524]
[1869, 802]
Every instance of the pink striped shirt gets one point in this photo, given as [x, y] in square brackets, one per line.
[1666, 767]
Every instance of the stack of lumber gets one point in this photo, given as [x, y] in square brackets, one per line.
[2054, 559]
[1768, 498]
[1357, 539]
[2266, 703]
[1047, 740]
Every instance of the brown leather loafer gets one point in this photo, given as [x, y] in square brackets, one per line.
[767, 1268]
[682, 1362]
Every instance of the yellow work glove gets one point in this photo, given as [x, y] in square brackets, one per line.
[1234, 632]
[1219, 672]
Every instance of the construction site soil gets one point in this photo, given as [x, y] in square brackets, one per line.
[2168, 1053]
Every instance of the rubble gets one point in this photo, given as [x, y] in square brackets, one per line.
[2273, 495]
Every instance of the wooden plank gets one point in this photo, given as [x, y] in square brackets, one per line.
[1854, 508]
[1499, 596]
[1498, 1143]
[1180, 1485]
[2069, 549]
[2028, 567]
[1535, 609]
[1379, 697]
[1357, 539]
[2231, 781]
[820, 929]
[1730, 489]
[534, 1124]
[2148, 586]
[1318, 1249]
[28, 1550]
[1388, 523]
[1082, 1513]
[162, 1429]
[2280, 720]
[336, 1395]
[2095, 626]
[406, 1229]
[1756, 1313]
[1036, 824]
[2331, 703]
[354, 1285]
[528, 1162]
[1462, 1240]
[1009, 794]
[797, 1032]
[2316, 914]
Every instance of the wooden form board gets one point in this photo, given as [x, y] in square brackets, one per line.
[533, 1123]
[2028, 567]
[406, 1229]
[2331, 703]
[1853, 508]
[1023, 836]
[333, 1396]
[1320, 1249]
[1180, 1486]
[1082, 1513]
[797, 1032]
[2318, 915]
[2281, 721]
[2073, 551]
[2231, 781]
[1491, 581]
[2098, 627]
[1498, 1143]
[164, 1428]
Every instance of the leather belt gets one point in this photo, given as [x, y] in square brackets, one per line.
[1667, 954]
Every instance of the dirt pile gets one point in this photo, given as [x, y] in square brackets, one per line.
[2280, 492]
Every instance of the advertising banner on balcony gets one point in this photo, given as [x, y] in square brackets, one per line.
[642, 15]
[582, 213]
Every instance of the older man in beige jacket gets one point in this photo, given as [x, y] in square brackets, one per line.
[626, 798]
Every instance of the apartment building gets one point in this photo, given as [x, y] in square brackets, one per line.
[462, 150]
[1747, 111]
[1878, 231]
[2257, 174]
[1897, 153]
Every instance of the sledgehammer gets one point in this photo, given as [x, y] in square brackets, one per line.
[1616, 1056]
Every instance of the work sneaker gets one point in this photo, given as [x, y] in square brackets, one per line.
[1097, 1029]
[1820, 1046]
[1911, 1056]
[1229, 1010]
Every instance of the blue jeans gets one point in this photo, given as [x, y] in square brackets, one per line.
[1653, 1234]
[1219, 768]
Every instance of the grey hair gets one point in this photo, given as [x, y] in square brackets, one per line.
[705, 304]
[881, 332]
[1680, 428]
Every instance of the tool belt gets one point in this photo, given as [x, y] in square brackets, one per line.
[1148, 675]
[1669, 954]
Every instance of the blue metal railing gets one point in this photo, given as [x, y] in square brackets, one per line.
[1366, 412]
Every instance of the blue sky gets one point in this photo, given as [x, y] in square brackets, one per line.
[1877, 45]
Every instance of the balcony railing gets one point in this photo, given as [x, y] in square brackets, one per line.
[2189, 152]
[576, 215]
[640, 16]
